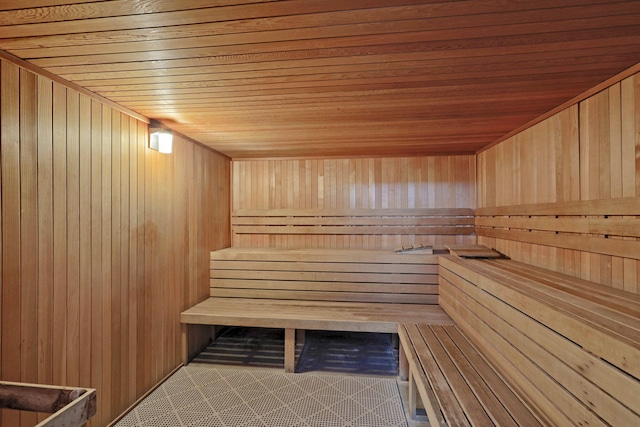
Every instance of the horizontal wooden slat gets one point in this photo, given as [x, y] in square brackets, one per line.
[418, 212]
[350, 221]
[425, 288]
[320, 276]
[349, 229]
[327, 266]
[318, 315]
[323, 255]
[308, 295]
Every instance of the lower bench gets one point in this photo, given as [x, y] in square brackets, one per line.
[530, 347]
[318, 289]
[459, 387]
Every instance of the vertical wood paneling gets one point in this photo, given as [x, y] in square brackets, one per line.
[28, 232]
[420, 182]
[45, 233]
[630, 168]
[103, 243]
[589, 151]
[11, 244]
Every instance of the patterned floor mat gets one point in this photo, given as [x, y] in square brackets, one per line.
[203, 396]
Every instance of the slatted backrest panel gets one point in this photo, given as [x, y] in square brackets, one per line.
[598, 226]
[325, 275]
[570, 346]
[454, 221]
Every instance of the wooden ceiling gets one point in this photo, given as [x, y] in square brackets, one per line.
[306, 78]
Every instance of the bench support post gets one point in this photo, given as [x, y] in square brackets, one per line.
[412, 396]
[289, 350]
[403, 369]
[185, 344]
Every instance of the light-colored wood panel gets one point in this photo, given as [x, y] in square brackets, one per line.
[590, 148]
[376, 12]
[11, 299]
[350, 183]
[45, 232]
[28, 232]
[495, 67]
[70, 235]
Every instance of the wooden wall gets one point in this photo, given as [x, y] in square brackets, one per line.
[364, 183]
[104, 243]
[579, 170]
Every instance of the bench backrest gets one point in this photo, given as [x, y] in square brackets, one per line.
[570, 346]
[399, 225]
[325, 275]
[599, 226]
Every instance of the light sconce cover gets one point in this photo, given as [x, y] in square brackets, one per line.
[161, 139]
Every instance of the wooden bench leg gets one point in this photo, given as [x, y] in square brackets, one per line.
[185, 344]
[300, 336]
[289, 350]
[412, 396]
[403, 369]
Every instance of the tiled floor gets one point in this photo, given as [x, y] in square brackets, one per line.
[205, 396]
[346, 380]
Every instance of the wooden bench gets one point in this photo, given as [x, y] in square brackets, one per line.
[530, 347]
[319, 289]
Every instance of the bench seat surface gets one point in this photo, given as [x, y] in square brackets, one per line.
[570, 347]
[460, 387]
[318, 315]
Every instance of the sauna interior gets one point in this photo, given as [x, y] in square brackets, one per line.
[524, 113]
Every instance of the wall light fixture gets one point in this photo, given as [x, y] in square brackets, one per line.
[161, 139]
